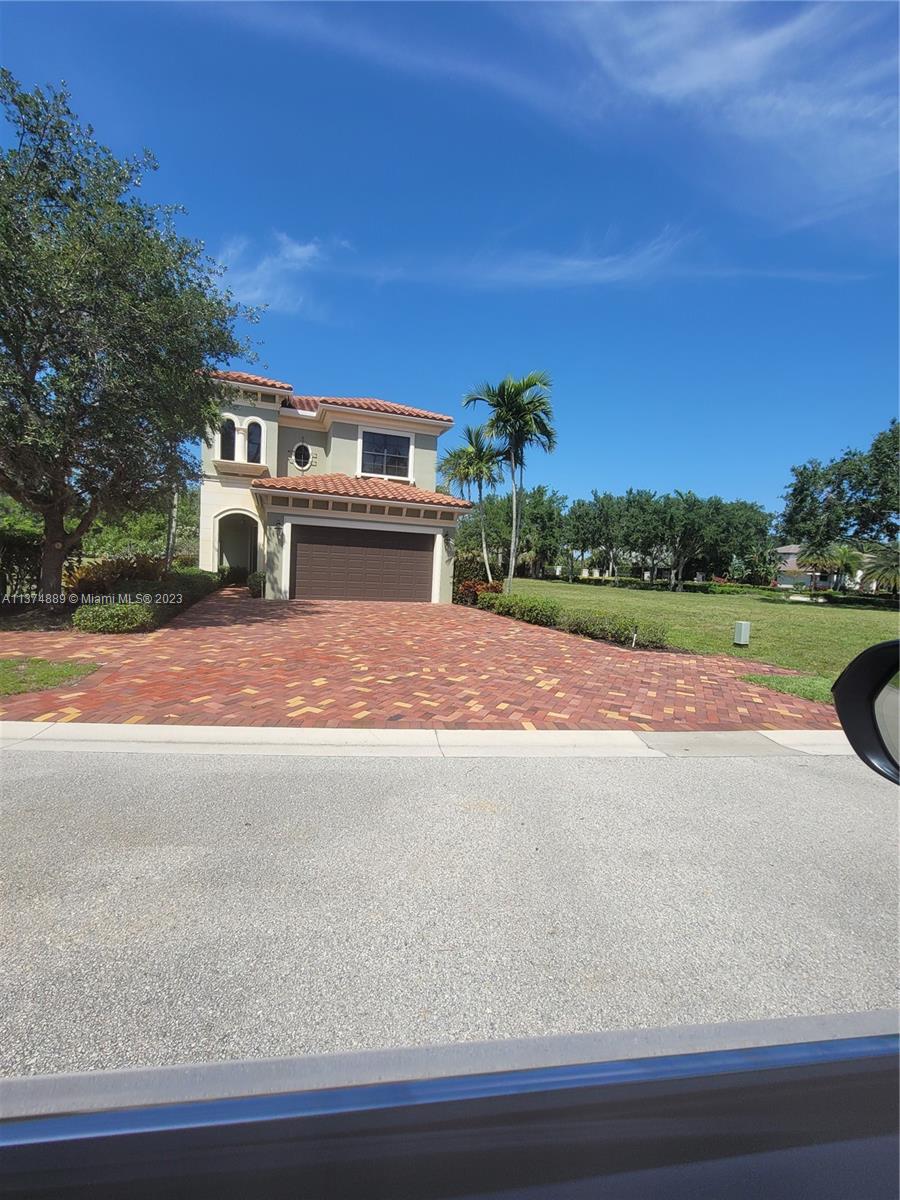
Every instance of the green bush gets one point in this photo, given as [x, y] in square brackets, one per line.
[193, 583]
[605, 627]
[627, 581]
[858, 600]
[132, 614]
[20, 561]
[488, 601]
[117, 618]
[233, 576]
[256, 584]
[534, 610]
[624, 631]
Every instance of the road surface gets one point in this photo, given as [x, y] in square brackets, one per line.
[162, 909]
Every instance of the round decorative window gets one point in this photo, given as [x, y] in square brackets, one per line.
[302, 457]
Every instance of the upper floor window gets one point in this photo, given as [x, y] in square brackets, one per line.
[254, 442]
[302, 456]
[226, 440]
[385, 454]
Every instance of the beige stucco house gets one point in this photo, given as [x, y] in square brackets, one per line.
[333, 497]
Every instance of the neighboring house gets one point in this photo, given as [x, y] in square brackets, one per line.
[333, 497]
[789, 574]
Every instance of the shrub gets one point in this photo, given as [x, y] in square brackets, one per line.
[605, 627]
[468, 565]
[488, 601]
[470, 589]
[117, 618]
[256, 584]
[134, 615]
[193, 584]
[20, 561]
[627, 581]
[233, 575]
[534, 610]
[93, 577]
[858, 600]
[624, 631]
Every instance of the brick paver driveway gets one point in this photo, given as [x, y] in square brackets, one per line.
[235, 661]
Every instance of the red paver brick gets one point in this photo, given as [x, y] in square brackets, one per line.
[236, 661]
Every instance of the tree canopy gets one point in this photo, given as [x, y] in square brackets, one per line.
[854, 496]
[110, 326]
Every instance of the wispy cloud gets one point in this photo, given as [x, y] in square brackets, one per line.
[794, 106]
[277, 276]
[342, 29]
[542, 269]
[280, 275]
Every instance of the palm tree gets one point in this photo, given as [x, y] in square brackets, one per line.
[883, 567]
[455, 470]
[521, 416]
[484, 472]
[817, 559]
[474, 464]
[847, 560]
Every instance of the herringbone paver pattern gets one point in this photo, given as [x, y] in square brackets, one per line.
[235, 661]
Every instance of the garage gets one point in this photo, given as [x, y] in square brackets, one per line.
[342, 563]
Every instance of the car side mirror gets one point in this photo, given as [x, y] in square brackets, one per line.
[867, 699]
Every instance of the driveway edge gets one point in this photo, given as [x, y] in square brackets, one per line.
[415, 743]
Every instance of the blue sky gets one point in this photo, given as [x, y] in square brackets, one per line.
[687, 214]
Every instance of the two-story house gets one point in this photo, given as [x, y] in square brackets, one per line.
[332, 496]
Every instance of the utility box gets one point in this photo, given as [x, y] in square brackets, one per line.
[742, 633]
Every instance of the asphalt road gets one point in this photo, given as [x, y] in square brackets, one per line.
[171, 909]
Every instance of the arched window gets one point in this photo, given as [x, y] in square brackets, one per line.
[254, 442]
[226, 440]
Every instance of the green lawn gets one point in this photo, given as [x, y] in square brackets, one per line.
[34, 674]
[817, 639]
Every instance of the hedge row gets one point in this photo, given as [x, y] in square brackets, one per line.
[706, 586]
[857, 599]
[181, 587]
[604, 627]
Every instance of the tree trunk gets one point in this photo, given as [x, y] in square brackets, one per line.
[171, 531]
[484, 549]
[53, 555]
[514, 536]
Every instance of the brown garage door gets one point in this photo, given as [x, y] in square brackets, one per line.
[331, 563]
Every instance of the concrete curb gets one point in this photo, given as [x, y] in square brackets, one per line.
[415, 743]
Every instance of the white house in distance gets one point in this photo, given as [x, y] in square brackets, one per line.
[332, 496]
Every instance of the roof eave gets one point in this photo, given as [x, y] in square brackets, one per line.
[265, 487]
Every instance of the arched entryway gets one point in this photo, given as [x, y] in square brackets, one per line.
[238, 541]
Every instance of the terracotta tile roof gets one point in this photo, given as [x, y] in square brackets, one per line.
[250, 380]
[367, 403]
[366, 489]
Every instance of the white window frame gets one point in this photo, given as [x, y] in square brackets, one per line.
[293, 461]
[262, 440]
[217, 448]
[363, 430]
[241, 428]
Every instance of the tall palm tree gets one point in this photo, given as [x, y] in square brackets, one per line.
[484, 472]
[475, 464]
[883, 566]
[521, 416]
